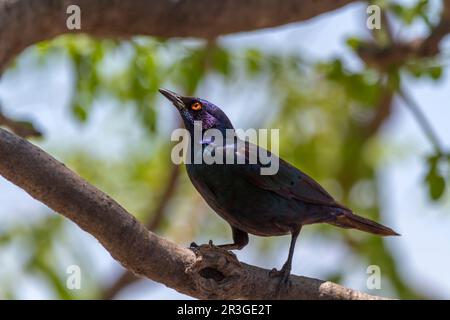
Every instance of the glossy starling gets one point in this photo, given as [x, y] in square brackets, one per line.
[263, 205]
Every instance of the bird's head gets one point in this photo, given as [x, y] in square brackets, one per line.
[195, 109]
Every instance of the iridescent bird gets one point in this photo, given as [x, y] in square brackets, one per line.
[263, 205]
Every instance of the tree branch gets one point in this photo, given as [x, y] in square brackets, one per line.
[383, 110]
[422, 120]
[211, 272]
[429, 46]
[25, 22]
[397, 52]
[24, 129]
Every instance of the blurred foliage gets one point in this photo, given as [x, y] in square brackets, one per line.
[435, 177]
[43, 245]
[323, 108]
[408, 14]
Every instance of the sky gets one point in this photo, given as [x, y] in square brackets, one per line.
[422, 249]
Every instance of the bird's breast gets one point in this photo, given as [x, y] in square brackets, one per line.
[239, 202]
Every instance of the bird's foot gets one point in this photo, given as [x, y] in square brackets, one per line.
[283, 276]
[193, 246]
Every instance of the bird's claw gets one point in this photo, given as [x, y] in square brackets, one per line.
[283, 274]
[283, 283]
[274, 273]
[193, 246]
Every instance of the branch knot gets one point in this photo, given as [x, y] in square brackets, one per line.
[217, 273]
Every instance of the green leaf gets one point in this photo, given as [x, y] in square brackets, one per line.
[425, 69]
[354, 43]
[409, 14]
[434, 179]
[253, 61]
[436, 185]
[435, 72]
[221, 61]
[190, 70]
[79, 112]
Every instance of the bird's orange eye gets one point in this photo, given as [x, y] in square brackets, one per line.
[196, 106]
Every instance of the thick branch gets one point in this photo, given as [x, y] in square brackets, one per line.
[25, 22]
[210, 273]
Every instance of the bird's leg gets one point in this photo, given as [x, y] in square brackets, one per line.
[240, 240]
[286, 269]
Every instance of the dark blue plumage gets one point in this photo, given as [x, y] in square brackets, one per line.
[264, 205]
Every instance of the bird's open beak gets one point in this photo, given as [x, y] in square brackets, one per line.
[174, 97]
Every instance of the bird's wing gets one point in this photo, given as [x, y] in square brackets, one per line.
[288, 182]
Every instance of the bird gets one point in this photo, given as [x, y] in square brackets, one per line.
[252, 203]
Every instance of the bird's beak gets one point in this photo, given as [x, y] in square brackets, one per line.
[176, 99]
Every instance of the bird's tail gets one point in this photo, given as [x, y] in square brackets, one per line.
[346, 219]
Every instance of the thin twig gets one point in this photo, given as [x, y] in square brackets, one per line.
[383, 110]
[421, 120]
[23, 129]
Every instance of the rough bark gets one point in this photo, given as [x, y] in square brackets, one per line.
[210, 272]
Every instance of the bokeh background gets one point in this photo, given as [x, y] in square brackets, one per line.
[97, 106]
